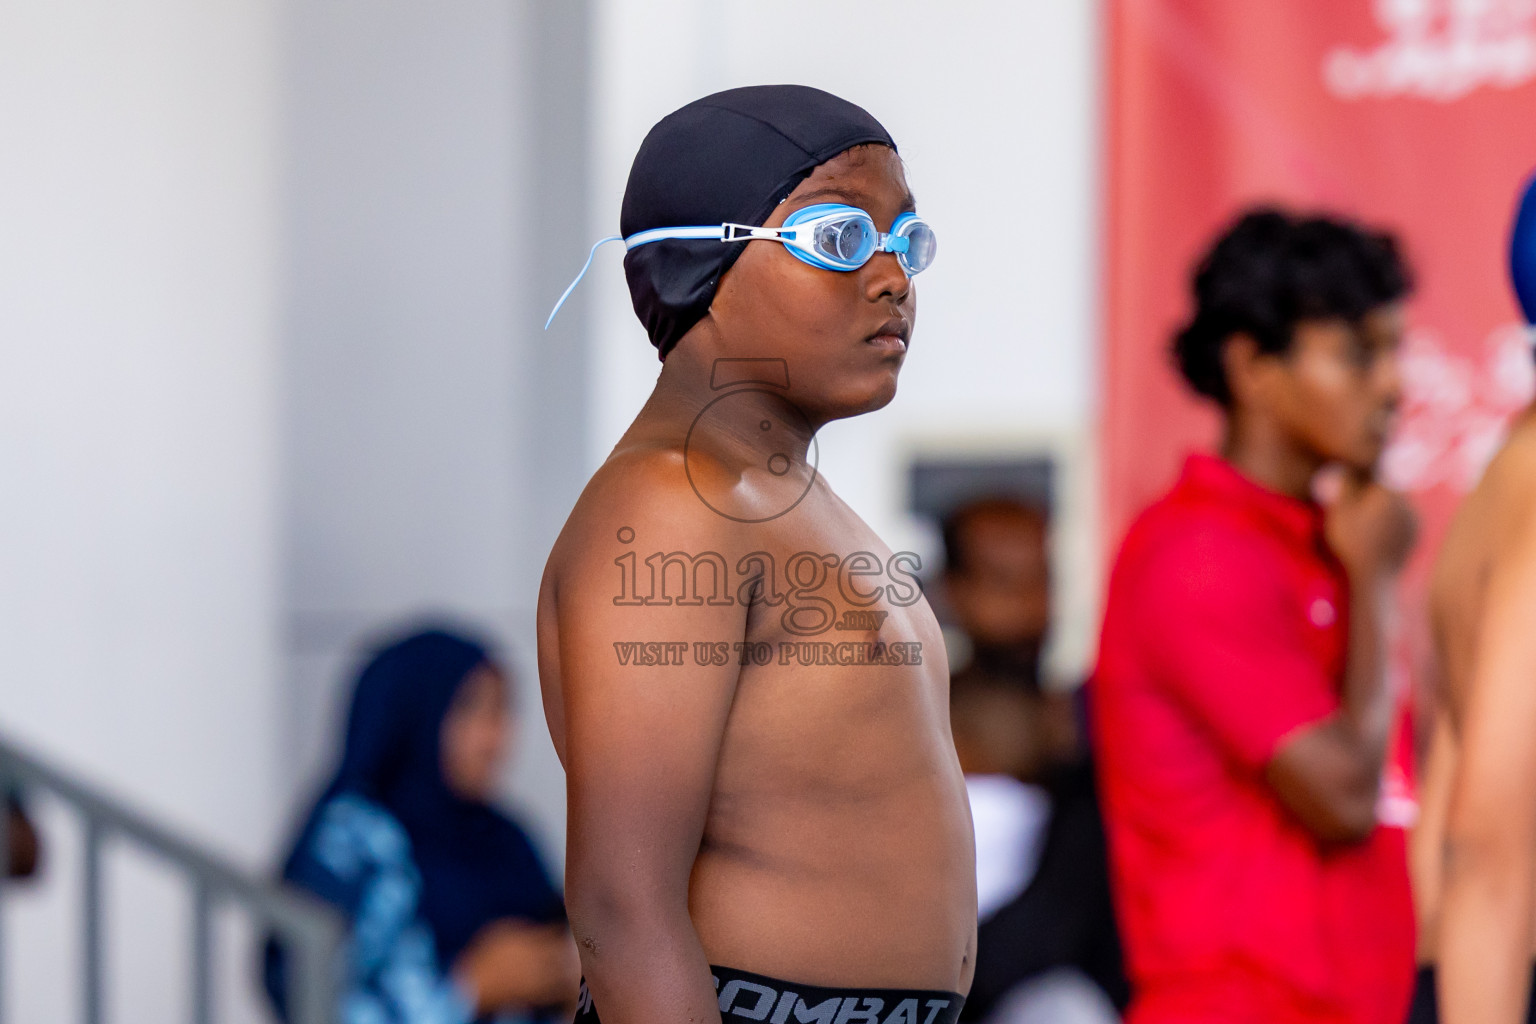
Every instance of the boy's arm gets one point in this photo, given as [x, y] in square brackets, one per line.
[1329, 774]
[641, 744]
[1221, 639]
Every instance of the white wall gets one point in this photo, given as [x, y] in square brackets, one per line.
[399, 373]
[138, 331]
[995, 109]
[422, 402]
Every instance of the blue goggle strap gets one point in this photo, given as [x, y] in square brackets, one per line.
[892, 242]
[718, 232]
[572, 286]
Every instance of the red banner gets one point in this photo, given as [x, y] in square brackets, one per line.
[1415, 115]
[1418, 115]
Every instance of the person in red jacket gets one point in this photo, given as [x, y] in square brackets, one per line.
[1241, 708]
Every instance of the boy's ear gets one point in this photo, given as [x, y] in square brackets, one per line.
[1249, 370]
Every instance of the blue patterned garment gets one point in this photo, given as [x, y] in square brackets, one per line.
[359, 860]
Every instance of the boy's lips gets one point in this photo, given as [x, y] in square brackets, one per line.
[892, 335]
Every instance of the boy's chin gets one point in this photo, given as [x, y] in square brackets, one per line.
[871, 401]
[882, 391]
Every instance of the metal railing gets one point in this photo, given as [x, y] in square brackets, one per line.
[310, 930]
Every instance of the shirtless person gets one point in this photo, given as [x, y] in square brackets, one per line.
[1483, 604]
[747, 689]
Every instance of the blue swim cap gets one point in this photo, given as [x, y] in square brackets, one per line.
[1522, 252]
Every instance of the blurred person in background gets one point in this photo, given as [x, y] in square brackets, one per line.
[997, 587]
[1241, 708]
[1046, 944]
[997, 583]
[453, 916]
[1483, 609]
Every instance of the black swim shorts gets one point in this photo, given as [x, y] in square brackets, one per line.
[1425, 1008]
[745, 996]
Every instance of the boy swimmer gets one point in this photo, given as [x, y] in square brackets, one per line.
[767, 819]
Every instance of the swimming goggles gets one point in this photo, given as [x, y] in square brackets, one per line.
[831, 236]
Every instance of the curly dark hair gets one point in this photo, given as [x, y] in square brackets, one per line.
[1272, 269]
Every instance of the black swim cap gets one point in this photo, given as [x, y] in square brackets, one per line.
[728, 157]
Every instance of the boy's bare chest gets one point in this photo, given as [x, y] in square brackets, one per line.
[811, 588]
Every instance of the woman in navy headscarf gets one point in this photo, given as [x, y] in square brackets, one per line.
[453, 917]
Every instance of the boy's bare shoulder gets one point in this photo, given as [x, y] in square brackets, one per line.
[1508, 487]
[642, 490]
[1498, 506]
[1516, 461]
